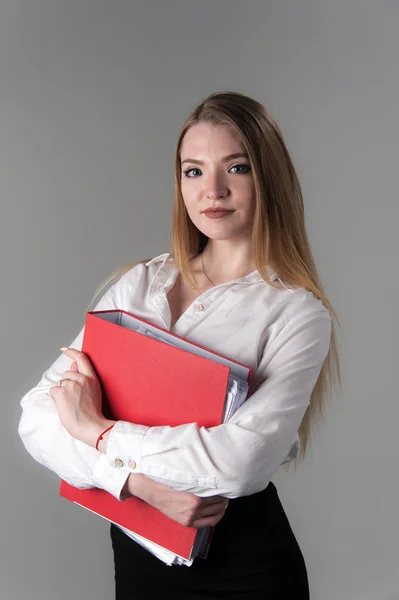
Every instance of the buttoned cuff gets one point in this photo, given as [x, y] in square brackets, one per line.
[108, 478]
[124, 447]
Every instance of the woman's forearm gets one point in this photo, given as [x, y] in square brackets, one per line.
[137, 485]
[183, 507]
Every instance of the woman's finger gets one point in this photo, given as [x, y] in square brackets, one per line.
[212, 509]
[208, 521]
[213, 499]
[73, 376]
[74, 367]
[81, 359]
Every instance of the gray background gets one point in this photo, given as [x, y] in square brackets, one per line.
[92, 95]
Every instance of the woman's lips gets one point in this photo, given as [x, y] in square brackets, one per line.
[217, 214]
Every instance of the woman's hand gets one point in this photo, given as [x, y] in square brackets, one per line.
[183, 507]
[79, 399]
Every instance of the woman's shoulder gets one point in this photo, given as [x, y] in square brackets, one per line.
[304, 305]
[295, 303]
[134, 271]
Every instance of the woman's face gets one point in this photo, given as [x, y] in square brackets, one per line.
[211, 178]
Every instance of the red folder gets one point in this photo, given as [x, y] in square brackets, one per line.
[150, 382]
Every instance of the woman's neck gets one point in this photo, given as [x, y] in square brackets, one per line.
[223, 262]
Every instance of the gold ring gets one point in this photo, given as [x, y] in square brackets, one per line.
[61, 380]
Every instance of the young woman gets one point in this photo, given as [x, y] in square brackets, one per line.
[241, 280]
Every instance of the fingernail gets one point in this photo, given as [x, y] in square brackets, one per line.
[63, 349]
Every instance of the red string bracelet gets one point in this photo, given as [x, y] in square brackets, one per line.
[100, 437]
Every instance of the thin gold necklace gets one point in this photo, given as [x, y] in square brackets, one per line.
[205, 273]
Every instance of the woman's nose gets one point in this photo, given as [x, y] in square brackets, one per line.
[215, 187]
[216, 194]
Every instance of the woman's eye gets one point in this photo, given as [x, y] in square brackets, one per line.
[245, 167]
[186, 173]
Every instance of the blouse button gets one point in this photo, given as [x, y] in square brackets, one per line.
[132, 464]
[199, 307]
[118, 462]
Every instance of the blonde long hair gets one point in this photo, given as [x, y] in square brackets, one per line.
[279, 235]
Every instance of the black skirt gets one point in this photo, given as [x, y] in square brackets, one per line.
[254, 555]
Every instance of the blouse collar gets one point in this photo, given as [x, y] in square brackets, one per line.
[166, 260]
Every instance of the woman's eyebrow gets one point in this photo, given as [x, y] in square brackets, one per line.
[224, 159]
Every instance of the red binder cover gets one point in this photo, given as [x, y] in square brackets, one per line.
[151, 383]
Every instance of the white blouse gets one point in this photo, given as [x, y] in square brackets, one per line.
[284, 334]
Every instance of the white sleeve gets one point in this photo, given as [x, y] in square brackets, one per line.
[239, 457]
[49, 443]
